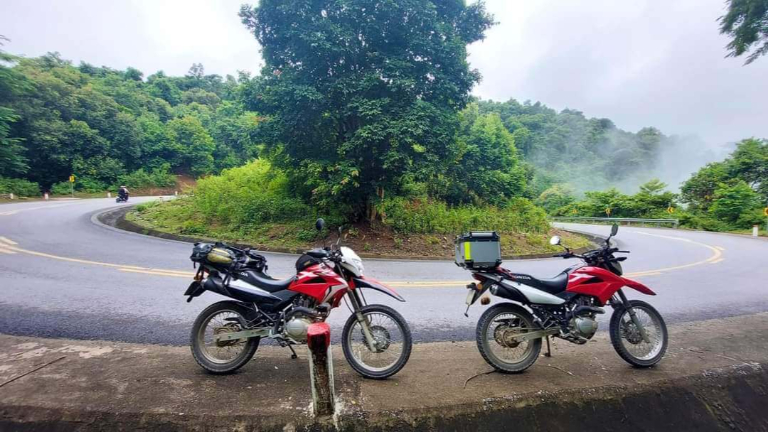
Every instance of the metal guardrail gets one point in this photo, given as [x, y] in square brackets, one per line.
[626, 221]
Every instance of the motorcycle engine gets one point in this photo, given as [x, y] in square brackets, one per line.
[296, 328]
[584, 326]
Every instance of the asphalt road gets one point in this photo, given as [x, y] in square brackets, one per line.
[61, 275]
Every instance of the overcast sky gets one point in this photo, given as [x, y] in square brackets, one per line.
[640, 63]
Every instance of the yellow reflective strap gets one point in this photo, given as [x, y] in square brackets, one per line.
[467, 251]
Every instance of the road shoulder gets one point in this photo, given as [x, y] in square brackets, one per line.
[714, 376]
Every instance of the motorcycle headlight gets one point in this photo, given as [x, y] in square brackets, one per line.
[351, 261]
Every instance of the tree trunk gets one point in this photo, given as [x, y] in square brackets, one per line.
[371, 212]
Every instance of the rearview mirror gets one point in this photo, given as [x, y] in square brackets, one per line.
[614, 229]
[319, 224]
[554, 241]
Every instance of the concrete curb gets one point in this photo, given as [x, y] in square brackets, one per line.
[731, 398]
[114, 219]
[714, 378]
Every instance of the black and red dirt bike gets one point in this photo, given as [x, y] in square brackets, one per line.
[509, 335]
[376, 339]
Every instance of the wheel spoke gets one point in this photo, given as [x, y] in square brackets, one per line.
[388, 337]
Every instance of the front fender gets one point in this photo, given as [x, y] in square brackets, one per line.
[638, 286]
[363, 282]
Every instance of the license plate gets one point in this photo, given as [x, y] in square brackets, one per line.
[470, 297]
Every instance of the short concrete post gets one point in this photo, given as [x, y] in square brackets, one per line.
[321, 368]
[755, 230]
[45, 195]
[109, 194]
[12, 195]
[176, 193]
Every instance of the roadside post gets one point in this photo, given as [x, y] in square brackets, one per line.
[755, 230]
[12, 195]
[109, 194]
[45, 195]
[321, 369]
[72, 185]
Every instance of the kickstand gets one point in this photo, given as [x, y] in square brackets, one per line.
[293, 353]
[549, 349]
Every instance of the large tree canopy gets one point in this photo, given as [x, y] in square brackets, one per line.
[746, 22]
[363, 94]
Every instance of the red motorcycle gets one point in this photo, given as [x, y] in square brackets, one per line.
[376, 339]
[509, 335]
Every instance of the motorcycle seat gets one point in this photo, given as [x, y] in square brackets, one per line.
[268, 283]
[554, 285]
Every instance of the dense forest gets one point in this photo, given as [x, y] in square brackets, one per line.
[109, 126]
[370, 122]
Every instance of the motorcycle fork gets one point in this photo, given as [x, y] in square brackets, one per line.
[362, 319]
[633, 316]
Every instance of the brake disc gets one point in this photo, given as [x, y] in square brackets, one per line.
[631, 333]
[381, 336]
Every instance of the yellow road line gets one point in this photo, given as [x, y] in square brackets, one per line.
[13, 212]
[716, 254]
[9, 246]
[8, 241]
[158, 273]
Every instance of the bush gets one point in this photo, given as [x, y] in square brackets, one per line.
[20, 187]
[249, 195]
[140, 179]
[83, 184]
[428, 216]
[61, 188]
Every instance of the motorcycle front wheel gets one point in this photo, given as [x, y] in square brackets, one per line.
[221, 357]
[627, 339]
[392, 342]
[496, 331]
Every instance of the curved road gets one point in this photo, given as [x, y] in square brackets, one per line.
[64, 276]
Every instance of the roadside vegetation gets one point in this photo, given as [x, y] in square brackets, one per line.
[253, 204]
[722, 196]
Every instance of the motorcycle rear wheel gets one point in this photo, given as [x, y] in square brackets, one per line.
[208, 353]
[371, 364]
[501, 352]
[627, 341]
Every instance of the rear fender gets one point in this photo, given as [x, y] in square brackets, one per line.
[195, 289]
[363, 282]
[638, 286]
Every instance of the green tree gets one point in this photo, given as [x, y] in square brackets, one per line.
[749, 162]
[487, 167]
[746, 22]
[731, 201]
[556, 196]
[12, 84]
[194, 145]
[653, 187]
[12, 160]
[699, 190]
[362, 94]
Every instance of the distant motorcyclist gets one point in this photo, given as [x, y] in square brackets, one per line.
[122, 194]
